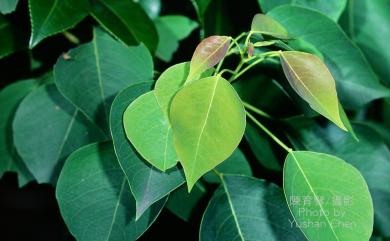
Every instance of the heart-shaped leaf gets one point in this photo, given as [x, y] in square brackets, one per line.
[263, 24]
[58, 130]
[208, 122]
[97, 71]
[147, 184]
[245, 208]
[328, 197]
[95, 199]
[51, 17]
[207, 54]
[149, 130]
[311, 79]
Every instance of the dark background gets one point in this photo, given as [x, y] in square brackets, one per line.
[31, 212]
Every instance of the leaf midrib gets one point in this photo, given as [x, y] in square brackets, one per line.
[315, 195]
[116, 209]
[48, 16]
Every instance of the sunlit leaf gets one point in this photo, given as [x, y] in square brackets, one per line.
[329, 193]
[207, 54]
[265, 25]
[312, 81]
[208, 122]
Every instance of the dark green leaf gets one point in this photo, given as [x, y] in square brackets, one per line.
[367, 23]
[10, 98]
[245, 208]
[148, 184]
[8, 6]
[151, 7]
[351, 71]
[95, 72]
[200, 7]
[127, 21]
[331, 8]
[235, 164]
[51, 17]
[12, 38]
[171, 29]
[95, 199]
[328, 197]
[184, 204]
[369, 155]
[58, 129]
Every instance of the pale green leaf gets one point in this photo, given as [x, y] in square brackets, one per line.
[351, 71]
[127, 21]
[208, 122]
[54, 127]
[10, 98]
[330, 194]
[8, 6]
[207, 54]
[94, 73]
[245, 208]
[147, 184]
[95, 199]
[51, 17]
[265, 25]
[312, 81]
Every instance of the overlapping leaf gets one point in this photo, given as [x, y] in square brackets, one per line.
[127, 21]
[208, 122]
[95, 199]
[329, 193]
[95, 72]
[10, 98]
[58, 129]
[267, 26]
[51, 17]
[8, 6]
[351, 71]
[148, 184]
[245, 208]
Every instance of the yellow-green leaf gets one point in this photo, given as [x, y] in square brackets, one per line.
[312, 81]
[208, 122]
[263, 24]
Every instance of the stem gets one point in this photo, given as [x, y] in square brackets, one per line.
[256, 110]
[71, 37]
[236, 76]
[268, 132]
[226, 70]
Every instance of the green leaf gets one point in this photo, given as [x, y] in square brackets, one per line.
[201, 7]
[57, 130]
[265, 25]
[245, 208]
[328, 197]
[369, 155]
[171, 29]
[261, 147]
[97, 71]
[183, 204]
[367, 25]
[207, 54]
[208, 122]
[235, 164]
[12, 37]
[304, 46]
[148, 128]
[10, 98]
[151, 7]
[332, 8]
[95, 199]
[8, 6]
[351, 71]
[147, 184]
[51, 17]
[312, 81]
[127, 21]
